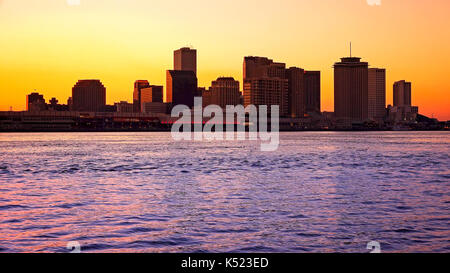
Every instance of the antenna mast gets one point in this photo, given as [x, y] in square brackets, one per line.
[350, 49]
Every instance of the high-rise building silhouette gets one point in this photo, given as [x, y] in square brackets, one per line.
[351, 89]
[296, 92]
[138, 86]
[181, 87]
[89, 95]
[312, 91]
[185, 59]
[267, 83]
[267, 91]
[402, 93]
[377, 93]
[35, 102]
[225, 91]
[153, 93]
[260, 67]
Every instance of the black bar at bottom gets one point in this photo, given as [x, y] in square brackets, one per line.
[222, 262]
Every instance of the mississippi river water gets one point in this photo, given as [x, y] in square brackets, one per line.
[144, 192]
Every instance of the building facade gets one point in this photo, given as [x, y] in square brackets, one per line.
[35, 102]
[206, 97]
[351, 89]
[312, 91]
[270, 83]
[402, 93]
[185, 59]
[153, 93]
[124, 107]
[138, 86]
[225, 91]
[267, 91]
[296, 92]
[89, 95]
[181, 87]
[377, 93]
[155, 108]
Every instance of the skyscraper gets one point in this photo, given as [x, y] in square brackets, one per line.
[89, 95]
[267, 91]
[377, 93]
[260, 67]
[351, 89]
[181, 86]
[138, 86]
[153, 93]
[266, 83]
[402, 93]
[312, 91]
[296, 92]
[225, 91]
[185, 59]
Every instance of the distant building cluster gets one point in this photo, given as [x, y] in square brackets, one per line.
[295, 90]
[359, 96]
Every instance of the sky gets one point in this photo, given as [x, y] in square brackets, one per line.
[47, 45]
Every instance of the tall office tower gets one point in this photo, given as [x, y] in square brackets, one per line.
[89, 95]
[185, 59]
[351, 89]
[256, 67]
[138, 86]
[267, 91]
[35, 101]
[377, 93]
[181, 86]
[402, 93]
[296, 94]
[153, 93]
[225, 91]
[266, 83]
[312, 91]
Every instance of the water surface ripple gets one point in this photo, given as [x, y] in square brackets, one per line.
[143, 192]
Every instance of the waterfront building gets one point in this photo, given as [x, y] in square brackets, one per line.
[224, 91]
[402, 93]
[351, 89]
[89, 95]
[181, 87]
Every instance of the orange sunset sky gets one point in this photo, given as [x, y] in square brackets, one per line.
[48, 45]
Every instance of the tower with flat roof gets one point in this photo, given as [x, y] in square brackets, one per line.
[402, 93]
[185, 59]
[351, 89]
[377, 93]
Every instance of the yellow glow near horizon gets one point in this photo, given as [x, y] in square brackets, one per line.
[48, 45]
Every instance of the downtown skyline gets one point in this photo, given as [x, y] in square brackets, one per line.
[57, 60]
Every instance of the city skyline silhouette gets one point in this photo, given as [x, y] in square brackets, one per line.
[99, 40]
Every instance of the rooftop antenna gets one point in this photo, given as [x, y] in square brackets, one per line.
[350, 49]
